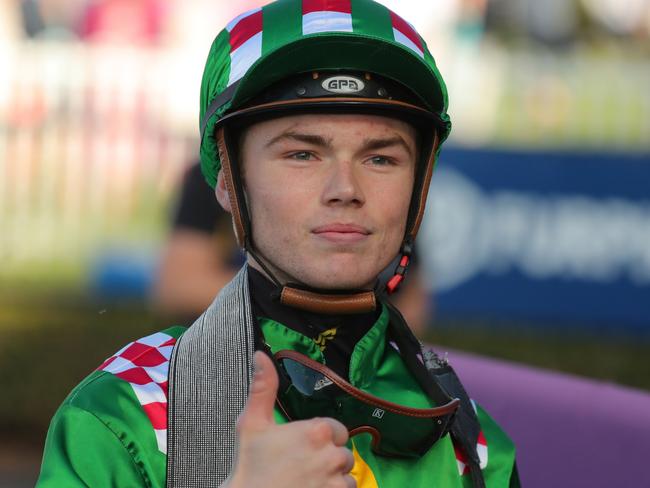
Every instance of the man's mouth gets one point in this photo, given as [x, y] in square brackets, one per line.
[341, 233]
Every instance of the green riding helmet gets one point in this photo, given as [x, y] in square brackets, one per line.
[319, 56]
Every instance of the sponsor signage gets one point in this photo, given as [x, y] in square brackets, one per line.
[551, 236]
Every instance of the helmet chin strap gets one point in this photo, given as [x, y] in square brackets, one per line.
[329, 302]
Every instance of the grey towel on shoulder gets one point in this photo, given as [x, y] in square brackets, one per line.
[210, 372]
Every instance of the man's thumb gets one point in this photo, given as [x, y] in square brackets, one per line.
[258, 412]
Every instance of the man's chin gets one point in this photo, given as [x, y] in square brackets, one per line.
[340, 281]
[342, 272]
[336, 274]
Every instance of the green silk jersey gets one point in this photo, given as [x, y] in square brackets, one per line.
[111, 431]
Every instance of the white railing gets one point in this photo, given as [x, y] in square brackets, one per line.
[91, 146]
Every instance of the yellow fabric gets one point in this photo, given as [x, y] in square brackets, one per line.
[361, 472]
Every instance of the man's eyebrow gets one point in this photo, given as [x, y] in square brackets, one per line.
[397, 140]
[313, 139]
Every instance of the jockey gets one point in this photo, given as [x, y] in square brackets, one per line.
[320, 123]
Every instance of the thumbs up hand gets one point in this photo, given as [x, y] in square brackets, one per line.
[307, 453]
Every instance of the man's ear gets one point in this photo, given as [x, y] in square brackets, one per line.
[221, 192]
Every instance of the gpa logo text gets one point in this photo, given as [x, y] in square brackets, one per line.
[343, 84]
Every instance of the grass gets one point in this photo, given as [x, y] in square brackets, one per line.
[49, 345]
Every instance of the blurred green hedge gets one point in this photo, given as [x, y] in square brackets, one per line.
[49, 344]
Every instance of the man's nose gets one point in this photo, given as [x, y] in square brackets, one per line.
[343, 185]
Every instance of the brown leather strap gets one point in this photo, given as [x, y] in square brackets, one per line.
[424, 190]
[224, 157]
[365, 397]
[328, 304]
[367, 429]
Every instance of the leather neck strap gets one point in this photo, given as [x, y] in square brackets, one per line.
[361, 302]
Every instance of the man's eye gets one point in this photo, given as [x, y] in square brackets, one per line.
[302, 156]
[380, 160]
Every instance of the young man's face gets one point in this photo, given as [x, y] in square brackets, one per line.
[329, 195]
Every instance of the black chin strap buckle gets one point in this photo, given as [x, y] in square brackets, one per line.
[400, 271]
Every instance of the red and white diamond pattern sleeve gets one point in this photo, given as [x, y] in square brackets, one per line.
[144, 364]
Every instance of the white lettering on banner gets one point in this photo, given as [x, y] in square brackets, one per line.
[467, 231]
